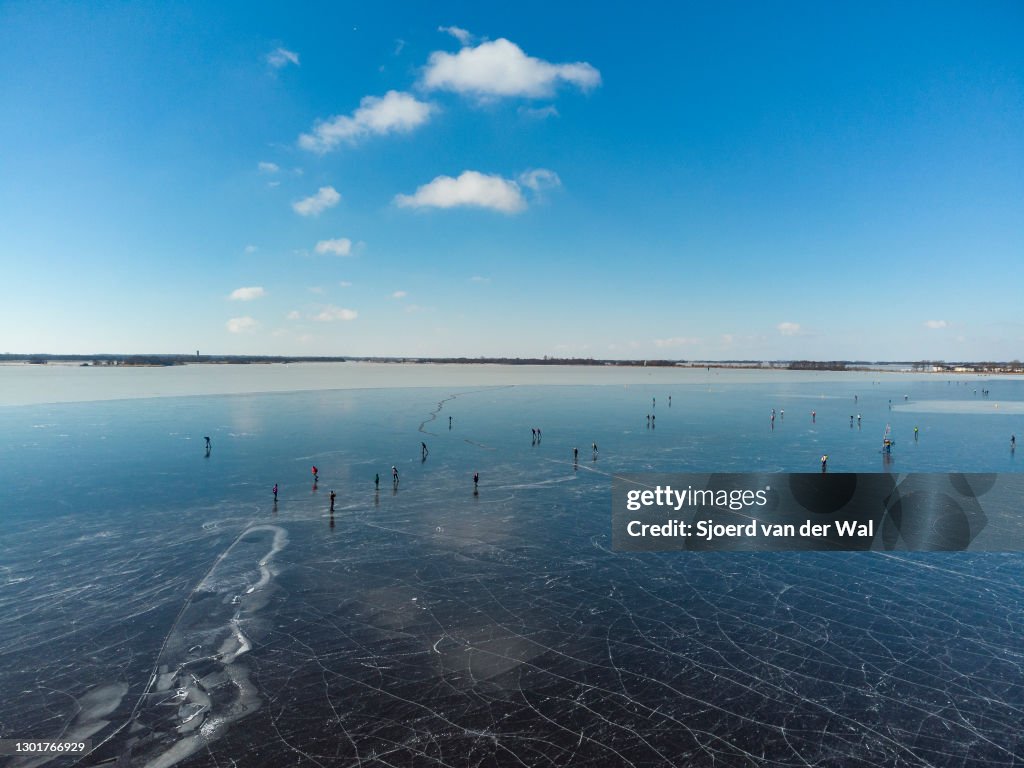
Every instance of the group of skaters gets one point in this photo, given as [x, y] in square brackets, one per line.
[651, 420]
[424, 452]
[887, 442]
[536, 437]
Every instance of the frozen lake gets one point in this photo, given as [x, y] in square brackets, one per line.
[23, 384]
[156, 600]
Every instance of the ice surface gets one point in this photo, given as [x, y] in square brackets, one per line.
[159, 600]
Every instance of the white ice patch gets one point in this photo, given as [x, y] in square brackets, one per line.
[981, 405]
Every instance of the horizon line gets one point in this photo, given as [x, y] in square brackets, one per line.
[157, 357]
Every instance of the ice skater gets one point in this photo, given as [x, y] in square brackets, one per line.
[575, 455]
[275, 492]
[423, 450]
[595, 449]
[333, 494]
[316, 473]
[449, 422]
[376, 481]
[824, 462]
[208, 447]
[476, 479]
[814, 417]
[394, 475]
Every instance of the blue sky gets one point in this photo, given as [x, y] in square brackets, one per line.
[715, 181]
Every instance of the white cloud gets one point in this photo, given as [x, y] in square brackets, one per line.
[242, 325]
[789, 329]
[293, 315]
[341, 246]
[395, 112]
[540, 178]
[265, 167]
[458, 33]
[345, 284]
[329, 314]
[282, 57]
[471, 188]
[247, 294]
[501, 68]
[399, 295]
[479, 279]
[935, 324]
[251, 249]
[314, 205]
[676, 341]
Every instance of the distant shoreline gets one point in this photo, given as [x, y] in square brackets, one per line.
[155, 361]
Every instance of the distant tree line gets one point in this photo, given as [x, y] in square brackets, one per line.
[989, 366]
[817, 365]
[1014, 366]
